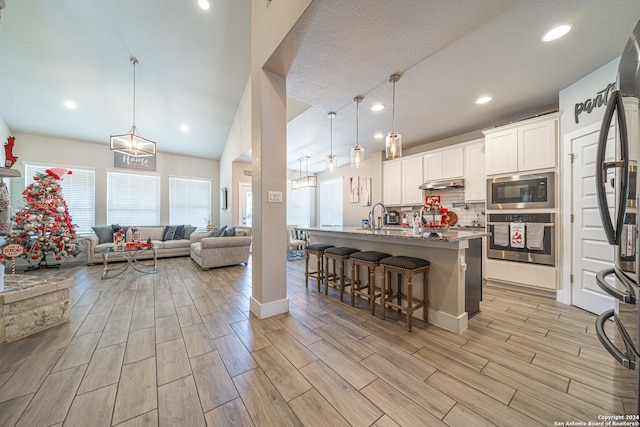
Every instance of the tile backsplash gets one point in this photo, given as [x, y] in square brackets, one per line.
[448, 197]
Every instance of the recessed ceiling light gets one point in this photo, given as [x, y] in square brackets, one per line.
[70, 105]
[378, 136]
[556, 33]
[204, 4]
[483, 100]
[377, 107]
[184, 128]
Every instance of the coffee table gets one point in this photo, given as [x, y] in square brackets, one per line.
[131, 256]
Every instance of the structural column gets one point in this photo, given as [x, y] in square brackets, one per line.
[269, 154]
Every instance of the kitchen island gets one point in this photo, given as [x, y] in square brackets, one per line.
[455, 257]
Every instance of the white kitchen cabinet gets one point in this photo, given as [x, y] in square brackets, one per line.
[524, 146]
[443, 164]
[411, 180]
[475, 188]
[453, 163]
[432, 164]
[537, 145]
[501, 152]
[392, 178]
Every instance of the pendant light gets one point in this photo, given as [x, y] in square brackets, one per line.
[332, 162]
[131, 143]
[394, 139]
[357, 152]
[306, 181]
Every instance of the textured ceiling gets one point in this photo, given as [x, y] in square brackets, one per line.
[194, 66]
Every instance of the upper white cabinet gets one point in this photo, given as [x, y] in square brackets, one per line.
[475, 189]
[443, 164]
[411, 180]
[392, 178]
[523, 146]
[402, 177]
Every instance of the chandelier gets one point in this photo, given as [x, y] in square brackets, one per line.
[131, 143]
[306, 181]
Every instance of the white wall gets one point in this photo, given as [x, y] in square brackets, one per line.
[238, 143]
[581, 95]
[69, 154]
[354, 213]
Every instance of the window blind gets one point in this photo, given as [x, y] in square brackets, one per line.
[133, 199]
[189, 201]
[299, 206]
[331, 202]
[78, 191]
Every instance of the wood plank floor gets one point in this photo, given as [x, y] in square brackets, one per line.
[180, 348]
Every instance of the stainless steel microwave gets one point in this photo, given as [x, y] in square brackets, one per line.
[521, 191]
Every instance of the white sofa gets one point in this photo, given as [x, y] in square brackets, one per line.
[164, 248]
[211, 252]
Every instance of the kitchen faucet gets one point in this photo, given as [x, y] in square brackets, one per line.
[372, 217]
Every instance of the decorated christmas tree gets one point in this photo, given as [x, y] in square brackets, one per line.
[43, 226]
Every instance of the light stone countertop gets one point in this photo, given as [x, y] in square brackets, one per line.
[435, 235]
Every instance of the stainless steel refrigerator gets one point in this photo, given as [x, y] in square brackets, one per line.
[621, 337]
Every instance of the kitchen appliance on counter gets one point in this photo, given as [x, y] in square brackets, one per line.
[521, 191]
[392, 218]
[621, 279]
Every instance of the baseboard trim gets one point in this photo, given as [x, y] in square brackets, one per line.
[521, 288]
[447, 321]
[269, 309]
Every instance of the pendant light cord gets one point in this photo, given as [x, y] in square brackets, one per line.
[393, 108]
[331, 136]
[357, 125]
[134, 61]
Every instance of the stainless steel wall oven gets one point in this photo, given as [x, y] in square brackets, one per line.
[522, 237]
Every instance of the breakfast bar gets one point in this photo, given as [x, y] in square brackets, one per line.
[455, 257]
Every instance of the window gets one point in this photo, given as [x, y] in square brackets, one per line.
[133, 199]
[189, 201]
[78, 191]
[299, 206]
[331, 202]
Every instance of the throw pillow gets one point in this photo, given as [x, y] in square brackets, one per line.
[229, 232]
[188, 229]
[179, 232]
[104, 233]
[169, 232]
[217, 232]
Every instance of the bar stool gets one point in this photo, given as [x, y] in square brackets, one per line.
[409, 266]
[316, 249]
[371, 260]
[336, 279]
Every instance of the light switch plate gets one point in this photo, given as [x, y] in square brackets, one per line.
[275, 196]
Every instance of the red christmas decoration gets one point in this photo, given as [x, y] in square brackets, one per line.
[43, 226]
[10, 159]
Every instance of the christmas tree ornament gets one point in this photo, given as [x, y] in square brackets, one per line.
[43, 226]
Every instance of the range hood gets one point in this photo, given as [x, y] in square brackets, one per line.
[443, 184]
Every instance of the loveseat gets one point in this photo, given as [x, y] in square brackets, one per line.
[231, 247]
[169, 241]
